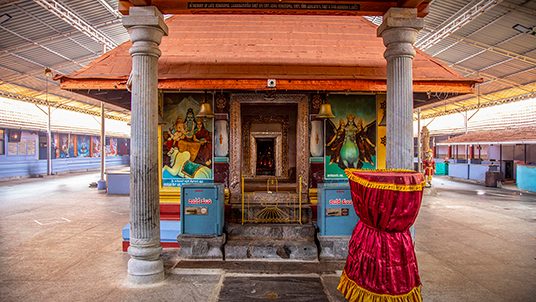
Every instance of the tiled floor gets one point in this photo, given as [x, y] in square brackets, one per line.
[61, 241]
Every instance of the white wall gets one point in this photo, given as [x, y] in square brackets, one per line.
[521, 113]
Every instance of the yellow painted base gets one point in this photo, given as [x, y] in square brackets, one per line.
[170, 196]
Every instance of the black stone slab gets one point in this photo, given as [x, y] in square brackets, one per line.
[295, 289]
[266, 267]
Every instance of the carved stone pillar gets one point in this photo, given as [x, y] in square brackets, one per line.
[235, 151]
[399, 31]
[146, 27]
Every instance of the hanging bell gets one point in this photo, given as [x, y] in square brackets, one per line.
[206, 111]
[325, 111]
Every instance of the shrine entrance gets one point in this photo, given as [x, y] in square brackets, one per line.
[269, 141]
[268, 157]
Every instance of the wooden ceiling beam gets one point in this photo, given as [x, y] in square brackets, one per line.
[274, 7]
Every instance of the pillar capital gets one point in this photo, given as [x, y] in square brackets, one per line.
[146, 27]
[399, 30]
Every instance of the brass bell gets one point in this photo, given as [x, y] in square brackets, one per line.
[325, 111]
[206, 111]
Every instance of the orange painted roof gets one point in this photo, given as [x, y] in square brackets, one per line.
[248, 47]
[508, 135]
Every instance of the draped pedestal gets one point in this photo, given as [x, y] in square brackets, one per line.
[381, 263]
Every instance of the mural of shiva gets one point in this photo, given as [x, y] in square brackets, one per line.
[187, 148]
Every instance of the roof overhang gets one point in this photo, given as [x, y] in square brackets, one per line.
[115, 91]
[511, 136]
[521, 142]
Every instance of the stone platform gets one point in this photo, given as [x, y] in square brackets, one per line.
[333, 247]
[198, 247]
[271, 241]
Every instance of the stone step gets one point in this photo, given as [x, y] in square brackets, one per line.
[303, 250]
[271, 231]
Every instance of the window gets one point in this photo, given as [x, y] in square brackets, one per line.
[21, 143]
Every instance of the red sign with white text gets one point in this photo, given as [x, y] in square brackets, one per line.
[199, 200]
[340, 201]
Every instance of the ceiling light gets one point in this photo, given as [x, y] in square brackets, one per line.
[48, 72]
[523, 29]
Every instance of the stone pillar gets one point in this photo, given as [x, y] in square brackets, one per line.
[399, 31]
[146, 27]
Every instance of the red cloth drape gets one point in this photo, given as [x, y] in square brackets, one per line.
[381, 258]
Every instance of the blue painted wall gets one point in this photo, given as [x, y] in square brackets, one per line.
[459, 170]
[526, 178]
[478, 172]
[11, 167]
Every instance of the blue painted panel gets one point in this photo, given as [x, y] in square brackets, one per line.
[442, 168]
[118, 183]
[169, 230]
[526, 178]
[335, 199]
[202, 207]
[10, 167]
[459, 170]
[478, 172]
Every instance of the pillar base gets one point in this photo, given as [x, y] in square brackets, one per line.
[101, 185]
[145, 271]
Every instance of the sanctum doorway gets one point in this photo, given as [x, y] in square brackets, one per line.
[269, 156]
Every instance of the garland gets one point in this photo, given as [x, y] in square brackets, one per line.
[353, 292]
[383, 186]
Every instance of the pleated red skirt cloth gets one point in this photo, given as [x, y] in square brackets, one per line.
[381, 264]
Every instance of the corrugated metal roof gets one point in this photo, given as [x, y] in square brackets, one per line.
[498, 57]
[31, 22]
[17, 115]
[35, 38]
[508, 135]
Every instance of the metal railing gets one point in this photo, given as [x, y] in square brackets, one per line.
[272, 206]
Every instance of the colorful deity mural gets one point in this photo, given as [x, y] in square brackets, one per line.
[64, 145]
[187, 148]
[351, 135]
[83, 146]
[95, 146]
[111, 146]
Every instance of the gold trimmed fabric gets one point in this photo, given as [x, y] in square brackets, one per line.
[381, 265]
[353, 292]
[383, 186]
